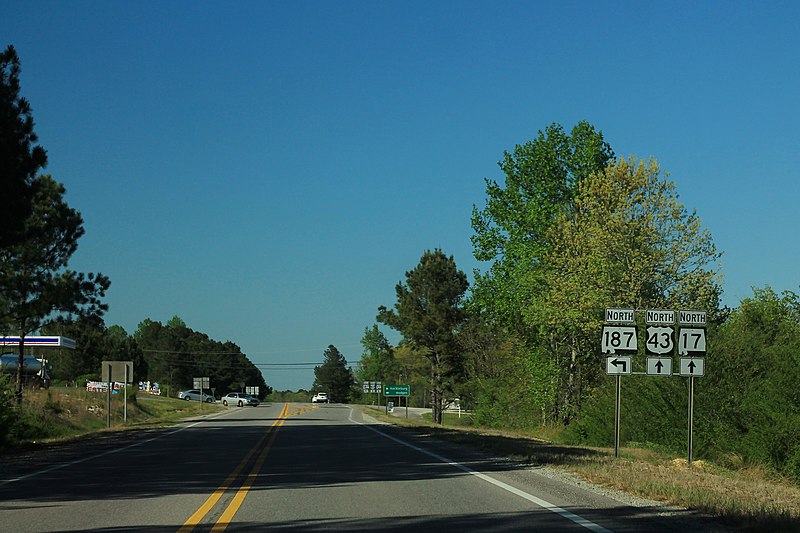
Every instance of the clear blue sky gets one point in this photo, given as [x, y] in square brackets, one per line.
[268, 171]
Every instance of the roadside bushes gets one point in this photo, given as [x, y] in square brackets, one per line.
[653, 414]
[9, 414]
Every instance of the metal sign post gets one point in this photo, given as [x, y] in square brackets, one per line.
[115, 370]
[108, 399]
[203, 383]
[125, 416]
[617, 415]
[691, 418]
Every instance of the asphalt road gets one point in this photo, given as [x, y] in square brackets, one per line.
[302, 468]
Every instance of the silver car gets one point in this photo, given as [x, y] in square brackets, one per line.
[240, 399]
[196, 395]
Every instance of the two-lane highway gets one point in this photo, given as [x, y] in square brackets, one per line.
[300, 467]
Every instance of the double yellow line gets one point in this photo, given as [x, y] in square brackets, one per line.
[241, 494]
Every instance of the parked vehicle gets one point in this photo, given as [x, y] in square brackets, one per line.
[240, 398]
[196, 395]
[320, 397]
[34, 370]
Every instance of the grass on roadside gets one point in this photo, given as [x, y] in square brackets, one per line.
[64, 413]
[752, 498]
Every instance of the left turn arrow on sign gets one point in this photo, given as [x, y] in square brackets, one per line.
[618, 365]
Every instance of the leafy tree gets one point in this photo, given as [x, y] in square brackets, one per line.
[428, 313]
[541, 181]
[90, 336]
[377, 361]
[333, 376]
[20, 159]
[499, 388]
[34, 275]
[628, 241]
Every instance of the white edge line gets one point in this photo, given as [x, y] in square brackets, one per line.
[588, 524]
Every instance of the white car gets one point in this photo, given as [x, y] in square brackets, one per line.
[240, 399]
[320, 397]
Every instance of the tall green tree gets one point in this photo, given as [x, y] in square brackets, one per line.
[428, 313]
[20, 158]
[333, 376]
[541, 179]
[626, 241]
[35, 278]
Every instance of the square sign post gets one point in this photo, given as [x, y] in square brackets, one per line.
[116, 370]
[202, 383]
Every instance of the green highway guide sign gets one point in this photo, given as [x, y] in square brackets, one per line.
[397, 390]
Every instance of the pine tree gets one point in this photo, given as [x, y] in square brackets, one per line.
[428, 313]
[333, 376]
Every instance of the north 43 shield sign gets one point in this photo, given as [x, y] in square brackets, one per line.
[660, 340]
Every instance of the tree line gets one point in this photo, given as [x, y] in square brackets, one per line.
[170, 354]
[570, 230]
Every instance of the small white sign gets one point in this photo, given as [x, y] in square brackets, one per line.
[619, 339]
[659, 366]
[618, 365]
[620, 316]
[692, 318]
[659, 317]
[692, 367]
[691, 341]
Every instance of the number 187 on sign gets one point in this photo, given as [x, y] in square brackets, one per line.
[619, 339]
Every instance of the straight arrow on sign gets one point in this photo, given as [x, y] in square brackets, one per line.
[692, 367]
[659, 366]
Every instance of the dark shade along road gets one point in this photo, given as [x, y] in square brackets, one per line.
[300, 468]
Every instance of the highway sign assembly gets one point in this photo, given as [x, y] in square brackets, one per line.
[619, 336]
[372, 387]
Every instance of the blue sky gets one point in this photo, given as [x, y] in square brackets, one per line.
[268, 171]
